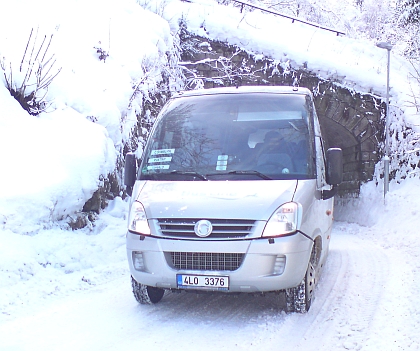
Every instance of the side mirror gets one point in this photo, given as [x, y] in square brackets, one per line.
[130, 170]
[334, 166]
[334, 171]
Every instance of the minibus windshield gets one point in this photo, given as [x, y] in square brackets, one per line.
[249, 136]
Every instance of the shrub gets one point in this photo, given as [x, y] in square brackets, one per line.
[36, 70]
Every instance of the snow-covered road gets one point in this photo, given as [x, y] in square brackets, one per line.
[358, 306]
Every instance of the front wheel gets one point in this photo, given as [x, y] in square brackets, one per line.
[146, 295]
[299, 299]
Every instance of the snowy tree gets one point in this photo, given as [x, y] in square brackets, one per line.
[408, 24]
[410, 11]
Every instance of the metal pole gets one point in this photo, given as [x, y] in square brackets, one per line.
[388, 47]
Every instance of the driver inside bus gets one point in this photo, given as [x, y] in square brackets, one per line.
[273, 143]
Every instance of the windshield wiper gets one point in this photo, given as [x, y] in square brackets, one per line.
[250, 172]
[190, 173]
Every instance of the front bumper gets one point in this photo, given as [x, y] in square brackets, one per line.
[256, 273]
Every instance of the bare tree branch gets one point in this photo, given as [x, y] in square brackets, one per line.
[24, 54]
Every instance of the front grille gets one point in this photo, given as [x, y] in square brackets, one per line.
[222, 228]
[206, 261]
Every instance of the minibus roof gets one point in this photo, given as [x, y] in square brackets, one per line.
[247, 90]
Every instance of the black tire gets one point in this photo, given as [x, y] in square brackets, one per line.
[146, 295]
[299, 299]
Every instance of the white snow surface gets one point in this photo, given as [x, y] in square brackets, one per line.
[70, 290]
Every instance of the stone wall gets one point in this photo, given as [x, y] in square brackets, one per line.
[350, 120]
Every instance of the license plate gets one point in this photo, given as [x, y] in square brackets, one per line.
[209, 282]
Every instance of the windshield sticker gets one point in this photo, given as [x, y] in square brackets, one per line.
[222, 161]
[162, 152]
[160, 156]
[158, 167]
[159, 159]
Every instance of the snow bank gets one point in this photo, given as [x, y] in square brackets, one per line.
[56, 262]
[51, 164]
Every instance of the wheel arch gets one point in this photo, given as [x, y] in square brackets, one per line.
[316, 252]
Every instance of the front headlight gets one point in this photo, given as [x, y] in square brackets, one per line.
[137, 220]
[285, 220]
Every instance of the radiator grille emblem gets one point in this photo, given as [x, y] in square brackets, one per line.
[203, 228]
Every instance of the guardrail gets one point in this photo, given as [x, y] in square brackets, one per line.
[244, 3]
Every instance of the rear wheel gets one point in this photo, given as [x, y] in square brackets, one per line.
[145, 294]
[299, 299]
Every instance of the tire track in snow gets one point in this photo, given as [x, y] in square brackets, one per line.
[357, 292]
[346, 298]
